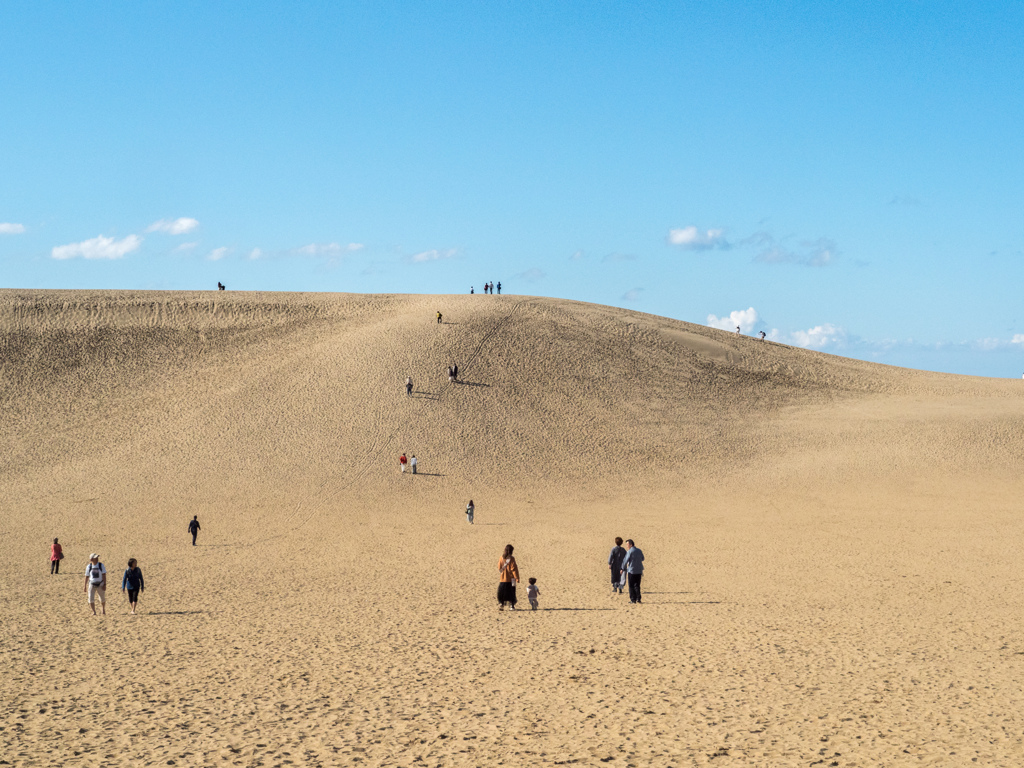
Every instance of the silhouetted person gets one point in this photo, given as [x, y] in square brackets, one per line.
[762, 335]
[438, 318]
[220, 286]
[193, 528]
[455, 372]
[499, 287]
[408, 386]
[737, 329]
[471, 290]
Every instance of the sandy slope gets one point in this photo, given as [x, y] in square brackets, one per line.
[833, 546]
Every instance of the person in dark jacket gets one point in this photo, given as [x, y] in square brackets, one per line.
[193, 528]
[633, 565]
[133, 583]
[618, 554]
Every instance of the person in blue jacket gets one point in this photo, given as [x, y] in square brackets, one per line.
[133, 583]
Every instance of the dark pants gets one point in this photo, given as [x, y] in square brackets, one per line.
[506, 593]
[194, 534]
[633, 579]
[133, 595]
[54, 567]
[616, 577]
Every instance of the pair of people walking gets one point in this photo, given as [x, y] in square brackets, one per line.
[407, 461]
[96, 583]
[627, 568]
[508, 577]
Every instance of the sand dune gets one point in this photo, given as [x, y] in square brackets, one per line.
[833, 550]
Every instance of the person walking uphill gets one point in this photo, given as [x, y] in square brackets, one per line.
[438, 318]
[193, 528]
[633, 565]
[96, 583]
[133, 583]
[615, 558]
[56, 555]
[509, 575]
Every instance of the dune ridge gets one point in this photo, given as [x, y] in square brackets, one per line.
[832, 544]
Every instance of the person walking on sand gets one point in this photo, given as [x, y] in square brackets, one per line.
[193, 528]
[470, 510]
[762, 333]
[633, 564]
[471, 290]
[412, 463]
[451, 375]
[408, 386]
[532, 591]
[133, 583]
[438, 318]
[96, 583]
[56, 555]
[615, 558]
[455, 372]
[509, 575]
[402, 461]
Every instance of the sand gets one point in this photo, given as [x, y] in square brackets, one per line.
[832, 546]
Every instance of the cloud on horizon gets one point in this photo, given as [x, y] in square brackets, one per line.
[746, 319]
[218, 253]
[633, 294]
[432, 255]
[327, 249]
[691, 239]
[98, 248]
[173, 226]
[810, 253]
[10, 228]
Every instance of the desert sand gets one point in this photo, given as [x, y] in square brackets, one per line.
[832, 546]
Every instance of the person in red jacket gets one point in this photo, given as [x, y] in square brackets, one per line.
[56, 555]
[402, 461]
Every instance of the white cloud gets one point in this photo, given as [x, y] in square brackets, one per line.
[255, 253]
[185, 247]
[433, 255]
[98, 248]
[532, 275]
[822, 252]
[1018, 338]
[173, 226]
[321, 249]
[633, 294]
[819, 337]
[692, 239]
[746, 319]
[218, 253]
[811, 253]
[8, 228]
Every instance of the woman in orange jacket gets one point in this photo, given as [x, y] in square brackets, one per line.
[509, 575]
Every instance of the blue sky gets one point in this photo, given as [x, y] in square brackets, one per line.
[848, 177]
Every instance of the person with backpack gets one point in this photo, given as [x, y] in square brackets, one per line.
[193, 528]
[56, 555]
[133, 583]
[96, 583]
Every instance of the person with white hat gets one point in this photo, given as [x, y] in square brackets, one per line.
[96, 583]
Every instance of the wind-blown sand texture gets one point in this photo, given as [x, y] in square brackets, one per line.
[833, 546]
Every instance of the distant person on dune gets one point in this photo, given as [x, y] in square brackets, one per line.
[220, 286]
[737, 329]
[633, 564]
[532, 592]
[133, 583]
[402, 461]
[471, 290]
[408, 386]
[193, 528]
[451, 375]
[470, 509]
[56, 555]
[499, 288]
[96, 583]
[455, 371]
[509, 574]
[412, 463]
[615, 558]
[763, 335]
[438, 318]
